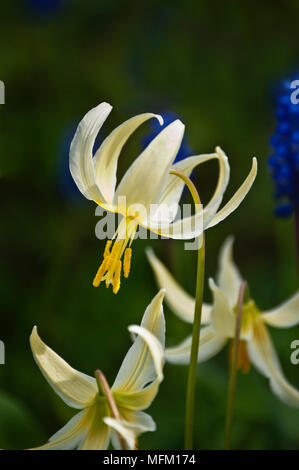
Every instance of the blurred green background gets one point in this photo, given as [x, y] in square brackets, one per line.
[212, 64]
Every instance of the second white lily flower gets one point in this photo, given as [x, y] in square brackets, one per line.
[134, 388]
[255, 346]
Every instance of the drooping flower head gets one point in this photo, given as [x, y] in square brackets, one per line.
[284, 162]
[147, 194]
[220, 319]
[135, 387]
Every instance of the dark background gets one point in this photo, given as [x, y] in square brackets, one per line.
[213, 64]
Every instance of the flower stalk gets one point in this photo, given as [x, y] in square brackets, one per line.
[191, 382]
[105, 390]
[233, 370]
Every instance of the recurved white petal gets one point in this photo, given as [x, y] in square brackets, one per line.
[222, 316]
[144, 180]
[155, 347]
[138, 400]
[182, 229]
[174, 185]
[130, 429]
[81, 159]
[285, 315]
[138, 368]
[263, 356]
[68, 437]
[210, 344]
[122, 428]
[179, 301]
[237, 198]
[229, 279]
[106, 157]
[76, 389]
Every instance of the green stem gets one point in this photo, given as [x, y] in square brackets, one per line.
[191, 382]
[233, 370]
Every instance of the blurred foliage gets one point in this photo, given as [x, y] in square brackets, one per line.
[214, 66]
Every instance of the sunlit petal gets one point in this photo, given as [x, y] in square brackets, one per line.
[81, 159]
[237, 198]
[154, 347]
[130, 428]
[179, 301]
[173, 187]
[264, 357]
[229, 278]
[182, 229]
[106, 157]
[222, 316]
[285, 315]
[76, 389]
[143, 181]
[139, 400]
[138, 368]
[210, 344]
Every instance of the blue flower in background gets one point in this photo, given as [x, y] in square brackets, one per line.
[184, 151]
[44, 8]
[284, 162]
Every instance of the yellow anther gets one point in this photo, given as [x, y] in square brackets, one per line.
[107, 248]
[100, 273]
[127, 261]
[116, 277]
[113, 255]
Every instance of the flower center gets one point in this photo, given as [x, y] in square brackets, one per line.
[249, 313]
[111, 266]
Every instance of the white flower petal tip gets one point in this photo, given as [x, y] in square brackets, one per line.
[285, 315]
[130, 430]
[237, 198]
[123, 429]
[155, 348]
[179, 301]
[221, 152]
[76, 389]
[222, 316]
[263, 356]
[81, 159]
[228, 278]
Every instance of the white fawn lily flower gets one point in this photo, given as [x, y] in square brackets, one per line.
[147, 195]
[108, 415]
[255, 343]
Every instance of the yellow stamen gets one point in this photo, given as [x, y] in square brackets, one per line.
[113, 255]
[107, 248]
[127, 261]
[116, 277]
[100, 273]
